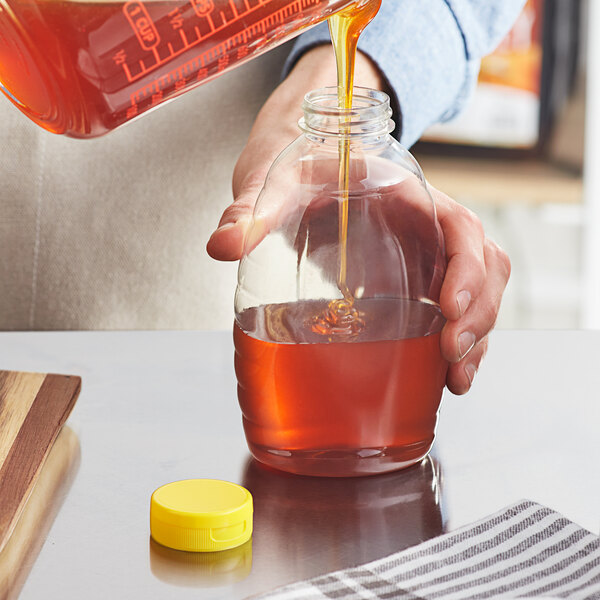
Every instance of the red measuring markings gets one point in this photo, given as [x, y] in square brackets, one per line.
[202, 26]
[203, 7]
[142, 24]
[246, 23]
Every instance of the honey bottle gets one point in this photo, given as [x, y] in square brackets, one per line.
[341, 376]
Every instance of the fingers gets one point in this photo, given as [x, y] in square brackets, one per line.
[461, 374]
[273, 130]
[290, 189]
[466, 270]
[464, 340]
[227, 241]
[475, 279]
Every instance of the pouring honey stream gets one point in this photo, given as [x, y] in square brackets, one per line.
[341, 318]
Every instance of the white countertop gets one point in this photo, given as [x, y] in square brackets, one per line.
[160, 406]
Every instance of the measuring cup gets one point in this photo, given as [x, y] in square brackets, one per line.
[83, 68]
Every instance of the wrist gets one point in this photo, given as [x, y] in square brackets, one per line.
[316, 68]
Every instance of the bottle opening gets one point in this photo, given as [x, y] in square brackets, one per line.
[370, 114]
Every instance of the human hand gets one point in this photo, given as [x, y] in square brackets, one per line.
[478, 270]
[276, 126]
[471, 288]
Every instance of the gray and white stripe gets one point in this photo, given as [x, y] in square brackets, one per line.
[525, 550]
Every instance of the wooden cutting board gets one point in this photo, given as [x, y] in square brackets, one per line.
[33, 408]
[28, 537]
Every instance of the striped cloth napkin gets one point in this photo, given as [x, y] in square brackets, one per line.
[524, 551]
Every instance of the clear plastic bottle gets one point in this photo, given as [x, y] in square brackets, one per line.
[337, 318]
[84, 67]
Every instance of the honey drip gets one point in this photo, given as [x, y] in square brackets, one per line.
[342, 319]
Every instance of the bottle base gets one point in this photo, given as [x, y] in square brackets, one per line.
[342, 462]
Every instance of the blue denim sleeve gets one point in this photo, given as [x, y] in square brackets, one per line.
[429, 53]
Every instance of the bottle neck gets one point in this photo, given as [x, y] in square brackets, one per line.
[368, 119]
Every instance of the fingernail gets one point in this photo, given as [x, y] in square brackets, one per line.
[470, 371]
[463, 299]
[225, 226]
[466, 340]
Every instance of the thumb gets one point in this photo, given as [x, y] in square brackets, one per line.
[227, 241]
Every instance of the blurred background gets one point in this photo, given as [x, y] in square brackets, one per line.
[522, 156]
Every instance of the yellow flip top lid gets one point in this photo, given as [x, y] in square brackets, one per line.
[201, 515]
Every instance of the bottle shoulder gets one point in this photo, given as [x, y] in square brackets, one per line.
[377, 162]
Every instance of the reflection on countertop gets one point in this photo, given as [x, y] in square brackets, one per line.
[310, 525]
[200, 569]
[47, 496]
[305, 526]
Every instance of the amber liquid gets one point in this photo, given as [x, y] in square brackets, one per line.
[345, 28]
[340, 408]
[341, 318]
[84, 68]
